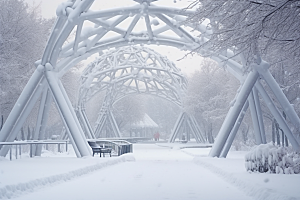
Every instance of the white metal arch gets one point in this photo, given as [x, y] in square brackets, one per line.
[164, 26]
[61, 54]
[131, 70]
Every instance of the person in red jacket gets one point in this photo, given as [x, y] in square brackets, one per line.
[156, 136]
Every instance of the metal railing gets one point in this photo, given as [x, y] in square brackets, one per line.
[31, 143]
[119, 147]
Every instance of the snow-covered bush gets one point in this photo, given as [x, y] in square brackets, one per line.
[272, 159]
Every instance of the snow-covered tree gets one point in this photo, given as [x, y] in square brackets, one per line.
[270, 29]
[253, 27]
[71, 82]
[209, 94]
[289, 80]
[128, 110]
[23, 35]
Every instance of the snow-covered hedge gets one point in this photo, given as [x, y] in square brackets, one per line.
[272, 159]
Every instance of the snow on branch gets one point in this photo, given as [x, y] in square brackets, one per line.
[253, 27]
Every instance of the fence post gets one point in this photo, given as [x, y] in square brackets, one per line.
[16, 151]
[30, 150]
[10, 153]
[20, 150]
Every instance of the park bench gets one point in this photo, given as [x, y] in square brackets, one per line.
[97, 149]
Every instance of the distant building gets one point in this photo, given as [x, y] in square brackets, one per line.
[144, 128]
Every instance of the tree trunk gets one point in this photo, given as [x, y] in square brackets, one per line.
[273, 130]
[277, 133]
[1, 122]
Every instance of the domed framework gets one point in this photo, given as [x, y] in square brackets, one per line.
[131, 70]
[161, 26]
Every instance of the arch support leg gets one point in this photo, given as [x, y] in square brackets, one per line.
[88, 123]
[279, 118]
[234, 131]
[233, 114]
[114, 125]
[20, 105]
[42, 120]
[254, 118]
[176, 128]
[186, 124]
[83, 122]
[259, 116]
[23, 116]
[40, 131]
[69, 120]
[284, 102]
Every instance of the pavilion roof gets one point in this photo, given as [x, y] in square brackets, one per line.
[146, 122]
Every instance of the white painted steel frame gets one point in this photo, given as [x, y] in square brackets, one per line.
[59, 56]
[254, 116]
[233, 132]
[186, 125]
[125, 71]
[44, 108]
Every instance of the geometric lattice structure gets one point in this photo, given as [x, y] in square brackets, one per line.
[132, 70]
[125, 71]
[80, 32]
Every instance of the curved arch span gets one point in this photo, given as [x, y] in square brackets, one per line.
[126, 71]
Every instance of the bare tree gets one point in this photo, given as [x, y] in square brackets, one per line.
[128, 110]
[268, 28]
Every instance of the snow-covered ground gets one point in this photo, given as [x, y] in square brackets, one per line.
[151, 172]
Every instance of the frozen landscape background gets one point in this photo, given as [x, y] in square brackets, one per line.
[153, 171]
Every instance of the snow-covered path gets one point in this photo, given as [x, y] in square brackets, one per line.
[157, 173]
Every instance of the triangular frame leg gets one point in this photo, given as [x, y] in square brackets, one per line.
[233, 114]
[70, 119]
